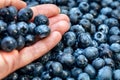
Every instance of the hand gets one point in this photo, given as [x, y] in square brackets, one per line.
[59, 24]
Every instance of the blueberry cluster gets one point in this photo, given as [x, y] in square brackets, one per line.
[16, 30]
[90, 50]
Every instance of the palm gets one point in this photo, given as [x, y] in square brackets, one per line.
[10, 61]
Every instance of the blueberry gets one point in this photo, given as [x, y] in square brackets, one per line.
[33, 3]
[42, 31]
[97, 21]
[25, 14]
[8, 43]
[4, 12]
[45, 76]
[100, 37]
[20, 42]
[98, 63]
[76, 71]
[94, 43]
[105, 73]
[41, 20]
[56, 68]
[115, 47]
[102, 17]
[69, 78]
[114, 39]
[111, 22]
[116, 58]
[106, 11]
[77, 28]
[94, 6]
[85, 23]
[56, 78]
[31, 27]
[68, 50]
[83, 76]
[114, 31]
[109, 62]
[103, 28]
[36, 78]
[88, 16]
[65, 74]
[3, 26]
[91, 53]
[46, 1]
[13, 13]
[75, 14]
[116, 74]
[39, 68]
[69, 38]
[115, 14]
[12, 30]
[29, 39]
[61, 2]
[81, 61]
[92, 29]
[106, 3]
[84, 6]
[22, 28]
[84, 40]
[67, 59]
[115, 4]
[78, 52]
[93, 12]
[90, 70]
[13, 76]
[71, 3]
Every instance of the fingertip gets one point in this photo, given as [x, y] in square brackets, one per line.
[48, 10]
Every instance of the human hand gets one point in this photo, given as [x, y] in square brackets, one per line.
[59, 24]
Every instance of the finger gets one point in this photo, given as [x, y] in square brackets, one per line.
[48, 10]
[8, 62]
[17, 3]
[58, 18]
[29, 54]
[61, 26]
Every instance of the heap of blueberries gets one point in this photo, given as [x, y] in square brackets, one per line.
[16, 30]
[90, 50]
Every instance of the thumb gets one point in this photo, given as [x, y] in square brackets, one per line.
[17, 3]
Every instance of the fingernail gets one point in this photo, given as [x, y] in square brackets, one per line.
[59, 10]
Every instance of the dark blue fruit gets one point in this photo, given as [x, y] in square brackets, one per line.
[41, 20]
[83, 76]
[25, 14]
[8, 43]
[42, 31]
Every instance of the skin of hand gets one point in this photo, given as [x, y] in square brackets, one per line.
[59, 24]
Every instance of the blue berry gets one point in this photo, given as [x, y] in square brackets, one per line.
[42, 31]
[69, 38]
[20, 42]
[114, 31]
[22, 28]
[84, 6]
[100, 37]
[56, 78]
[29, 39]
[98, 63]
[115, 47]
[103, 28]
[3, 26]
[25, 14]
[116, 74]
[91, 53]
[8, 43]
[83, 76]
[105, 73]
[41, 20]
[36, 78]
[76, 71]
[31, 27]
[90, 70]
[81, 61]
[109, 62]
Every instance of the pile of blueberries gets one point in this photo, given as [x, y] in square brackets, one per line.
[16, 30]
[90, 50]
